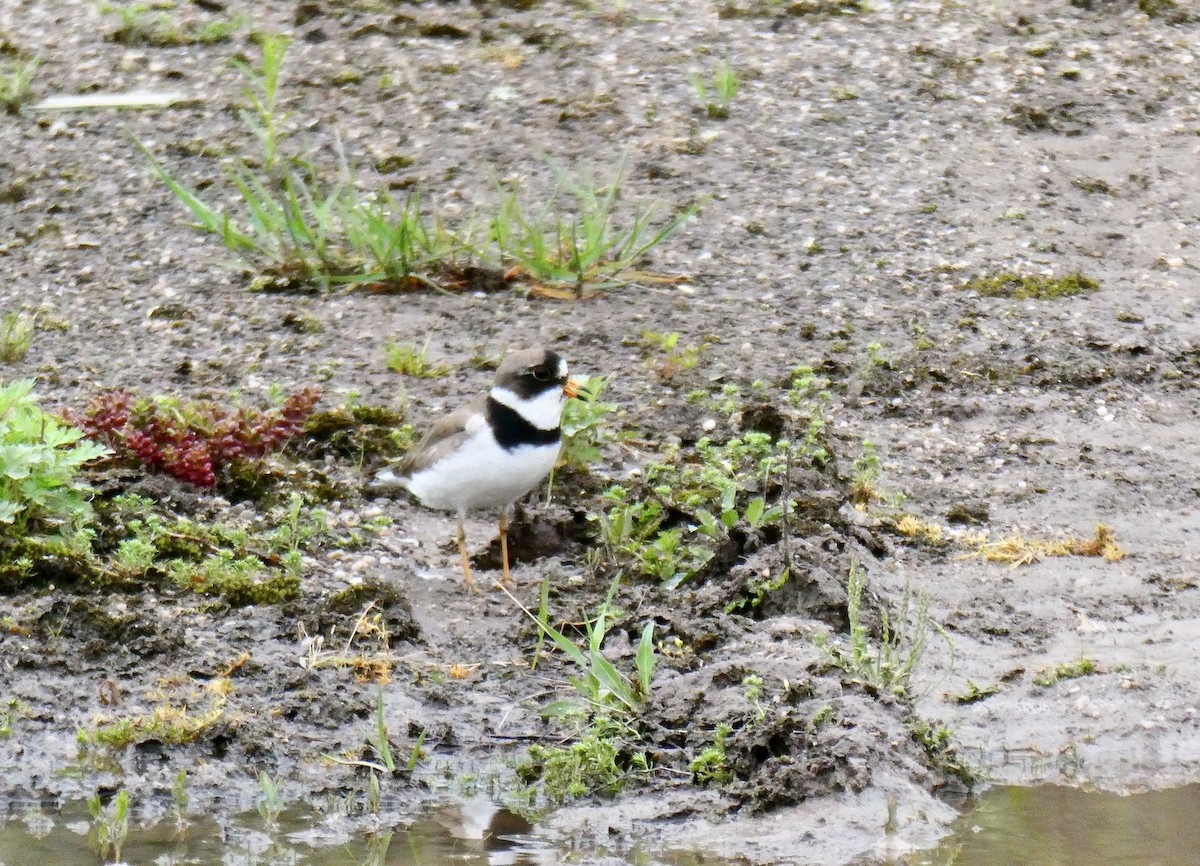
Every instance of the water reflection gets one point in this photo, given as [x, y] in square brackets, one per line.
[1052, 825]
[475, 833]
[1010, 826]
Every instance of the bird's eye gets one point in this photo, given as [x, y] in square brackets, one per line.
[541, 374]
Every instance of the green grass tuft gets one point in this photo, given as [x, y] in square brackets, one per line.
[16, 79]
[297, 229]
[1081, 667]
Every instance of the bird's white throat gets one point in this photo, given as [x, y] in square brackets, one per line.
[543, 411]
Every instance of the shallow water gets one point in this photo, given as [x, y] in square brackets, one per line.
[1047, 825]
[476, 833]
[1051, 825]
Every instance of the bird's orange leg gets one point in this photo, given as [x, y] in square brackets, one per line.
[505, 577]
[466, 561]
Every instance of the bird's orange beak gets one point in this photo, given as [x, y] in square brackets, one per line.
[571, 389]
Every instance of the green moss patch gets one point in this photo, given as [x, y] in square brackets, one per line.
[1006, 284]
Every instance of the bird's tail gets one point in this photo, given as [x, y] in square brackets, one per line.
[386, 481]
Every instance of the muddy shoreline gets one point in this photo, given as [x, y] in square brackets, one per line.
[881, 168]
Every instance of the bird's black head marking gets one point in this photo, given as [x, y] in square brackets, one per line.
[528, 374]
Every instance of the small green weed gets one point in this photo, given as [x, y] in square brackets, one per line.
[140, 542]
[758, 588]
[110, 825]
[384, 762]
[822, 716]
[593, 764]
[1007, 284]
[409, 360]
[11, 708]
[863, 490]
[179, 801]
[261, 91]
[16, 80]
[16, 336]
[295, 229]
[711, 765]
[888, 666]
[717, 488]
[672, 358]
[270, 801]
[717, 93]
[378, 739]
[937, 740]
[602, 758]
[722, 487]
[1081, 667]
[150, 24]
[974, 693]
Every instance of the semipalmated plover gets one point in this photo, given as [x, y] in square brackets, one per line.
[493, 451]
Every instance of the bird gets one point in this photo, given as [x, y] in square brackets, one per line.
[492, 451]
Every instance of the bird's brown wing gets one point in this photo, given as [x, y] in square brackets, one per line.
[442, 438]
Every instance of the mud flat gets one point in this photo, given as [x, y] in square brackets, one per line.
[938, 294]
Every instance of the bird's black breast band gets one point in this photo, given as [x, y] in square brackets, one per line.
[512, 431]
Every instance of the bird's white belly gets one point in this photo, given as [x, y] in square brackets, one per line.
[481, 474]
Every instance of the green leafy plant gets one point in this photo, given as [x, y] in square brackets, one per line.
[16, 79]
[606, 709]
[718, 487]
[110, 825]
[974, 693]
[937, 741]
[393, 243]
[585, 423]
[717, 93]
[672, 357]
[864, 479]
[378, 739]
[758, 588]
[11, 707]
[262, 92]
[416, 752]
[711, 765]
[40, 459]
